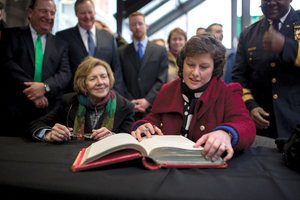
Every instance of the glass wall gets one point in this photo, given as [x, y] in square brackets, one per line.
[210, 11]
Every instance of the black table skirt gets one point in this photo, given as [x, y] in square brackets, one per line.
[43, 171]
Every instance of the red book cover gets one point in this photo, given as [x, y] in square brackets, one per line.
[116, 157]
[123, 147]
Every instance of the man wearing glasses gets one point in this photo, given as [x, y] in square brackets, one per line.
[144, 65]
[267, 66]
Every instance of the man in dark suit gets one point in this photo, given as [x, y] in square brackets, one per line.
[104, 45]
[144, 65]
[35, 68]
[267, 66]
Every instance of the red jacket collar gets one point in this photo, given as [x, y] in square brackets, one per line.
[170, 98]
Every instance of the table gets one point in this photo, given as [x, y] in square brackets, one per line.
[40, 170]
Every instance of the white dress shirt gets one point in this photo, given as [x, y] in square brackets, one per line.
[84, 36]
[34, 37]
[144, 43]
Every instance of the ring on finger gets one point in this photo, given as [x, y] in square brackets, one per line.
[224, 145]
[59, 135]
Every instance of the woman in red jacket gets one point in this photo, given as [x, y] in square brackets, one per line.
[199, 105]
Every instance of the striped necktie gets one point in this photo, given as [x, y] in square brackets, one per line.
[38, 59]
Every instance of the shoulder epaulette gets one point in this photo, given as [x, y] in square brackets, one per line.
[248, 26]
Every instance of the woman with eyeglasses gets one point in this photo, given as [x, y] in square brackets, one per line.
[94, 111]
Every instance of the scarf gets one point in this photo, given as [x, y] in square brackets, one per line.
[174, 53]
[109, 102]
[190, 98]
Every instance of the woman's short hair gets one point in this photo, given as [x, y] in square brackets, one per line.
[204, 43]
[85, 68]
[176, 30]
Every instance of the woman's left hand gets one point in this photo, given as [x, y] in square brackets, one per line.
[216, 143]
[101, 133]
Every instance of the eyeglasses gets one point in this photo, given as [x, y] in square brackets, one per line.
[135, 24]
[80, 136]
[85, 135]
[77, 135]
[45, 12]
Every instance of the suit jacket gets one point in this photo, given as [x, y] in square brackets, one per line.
[19, 66]
[65, 114]
[3, 25]
[106, 49]
[219, 105]
[273, 79]
[143, 79]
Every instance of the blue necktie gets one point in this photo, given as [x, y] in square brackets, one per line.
[140, 51]
[91, 44]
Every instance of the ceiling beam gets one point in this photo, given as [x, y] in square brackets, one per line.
[125, 8]
[173, 15]
[156, 7]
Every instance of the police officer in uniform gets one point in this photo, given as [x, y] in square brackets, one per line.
[267, 65]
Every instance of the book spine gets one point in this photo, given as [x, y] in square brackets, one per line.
[77, 161]
[117, 157]
[150, 164]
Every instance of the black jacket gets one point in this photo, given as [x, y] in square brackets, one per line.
[66, 112]
[273, 79]
[106, 49]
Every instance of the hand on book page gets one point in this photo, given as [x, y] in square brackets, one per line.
[156, 152]
[216, 143]
[146, 130]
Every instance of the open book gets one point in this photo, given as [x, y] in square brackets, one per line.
[156, 152]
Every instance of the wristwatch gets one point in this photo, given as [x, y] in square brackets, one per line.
[47, 87]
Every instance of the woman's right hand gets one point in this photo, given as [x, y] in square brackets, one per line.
[145, 129]
[58, 133]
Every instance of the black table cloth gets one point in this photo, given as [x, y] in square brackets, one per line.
[43, 171]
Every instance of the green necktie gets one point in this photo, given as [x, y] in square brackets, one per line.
[38, 59]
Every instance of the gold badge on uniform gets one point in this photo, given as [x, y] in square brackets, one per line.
[297, 30]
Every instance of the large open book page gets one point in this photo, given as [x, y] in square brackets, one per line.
[168, 141]
[174, 149]
[155, 152]
[110, 144]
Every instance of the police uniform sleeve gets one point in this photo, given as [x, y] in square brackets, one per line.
[240, 73]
